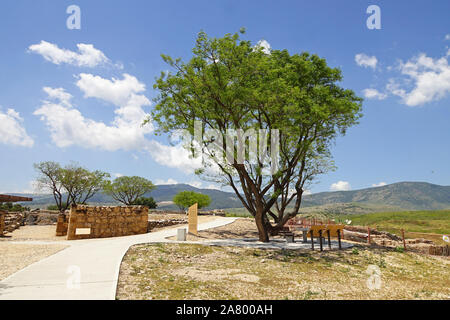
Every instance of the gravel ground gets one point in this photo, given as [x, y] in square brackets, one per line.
[17, 256]
[27, 233]
[193, 271]
[201, 219]
[241, 228]
[47, 233]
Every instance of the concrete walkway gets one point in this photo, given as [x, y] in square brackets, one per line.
[86, 270]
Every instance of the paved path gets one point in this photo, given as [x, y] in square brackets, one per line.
[96, 261]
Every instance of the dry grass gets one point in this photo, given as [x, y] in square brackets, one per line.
[182, 271]
[15, 256]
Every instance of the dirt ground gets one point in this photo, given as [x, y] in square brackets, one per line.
[188, 271]
[16, 256]
[241, 228]
[29, 233]
[201, 219]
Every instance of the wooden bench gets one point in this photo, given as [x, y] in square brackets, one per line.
[317, 231]
[335, 230]
[287, 234]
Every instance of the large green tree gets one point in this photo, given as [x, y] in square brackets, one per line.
[128, 189]
[229, 84]
[185, 199]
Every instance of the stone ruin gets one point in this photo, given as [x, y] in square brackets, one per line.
[10, 221]
[89, 222]
[389, 240]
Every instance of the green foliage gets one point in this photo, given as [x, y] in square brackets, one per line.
[8, 206]
[185, 199]
[148, 202]
[49, 179]
[128, 189]
[53, 207]
[437, 222]
[400, 249]
[78, 183]
[229, 84]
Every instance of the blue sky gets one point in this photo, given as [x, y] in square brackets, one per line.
[402, 70]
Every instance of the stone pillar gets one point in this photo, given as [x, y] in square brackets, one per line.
[2, 222]
[62, 225]
[181, 234]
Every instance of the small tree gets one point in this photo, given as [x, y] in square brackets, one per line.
[185, 199]
[81, 184]
[128, 189]
[49, 174]
[148, 202]
[78, 183]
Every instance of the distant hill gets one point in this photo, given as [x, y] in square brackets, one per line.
[394, 197]
[402, 195]
[163, 194]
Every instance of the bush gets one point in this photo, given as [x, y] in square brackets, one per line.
[148, 202]
[8, 206]
[400, 249]
[185, 199]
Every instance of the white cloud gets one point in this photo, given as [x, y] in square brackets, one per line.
[374, 94]
[266, 48]
[32, 187]
[117, 175]
[162, 182]
[307, 192]
[366, 61]
[340, 186]
[430, 80]
[381, 184]
[447, 37]
[115, 91]
[87, 55]
[12, 131]
[195, 184]
[212, 187]
[59, 94]
[69, 127]
[173, 156]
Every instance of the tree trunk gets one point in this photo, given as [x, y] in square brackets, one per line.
[260, 224]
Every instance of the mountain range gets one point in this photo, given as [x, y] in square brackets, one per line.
[393, 197]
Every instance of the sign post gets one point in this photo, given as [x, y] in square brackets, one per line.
[193, 219]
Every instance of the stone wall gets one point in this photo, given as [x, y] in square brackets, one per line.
[10, 221]
[165, 223]
[40, 218]
[87, 222]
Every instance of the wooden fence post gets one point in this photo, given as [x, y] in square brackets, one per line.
[403, 237]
